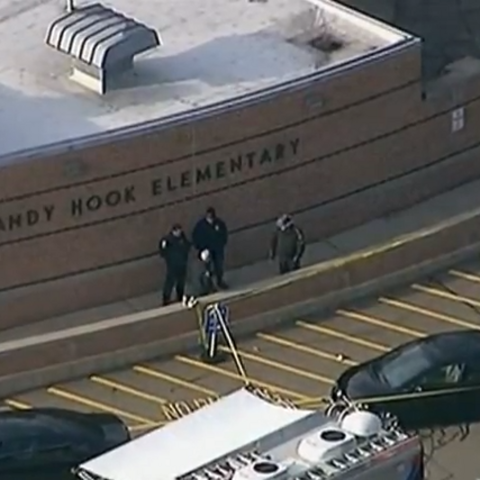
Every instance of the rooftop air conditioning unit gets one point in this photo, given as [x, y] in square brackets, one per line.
[262, 469]
[362, 424]
[324, 444]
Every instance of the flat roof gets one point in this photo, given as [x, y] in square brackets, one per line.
[214, 50]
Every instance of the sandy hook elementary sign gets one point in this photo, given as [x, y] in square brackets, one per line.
[81, 207]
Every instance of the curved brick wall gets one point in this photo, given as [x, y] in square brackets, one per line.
[80, 228]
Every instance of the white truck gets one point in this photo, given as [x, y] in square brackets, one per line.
[244, 437]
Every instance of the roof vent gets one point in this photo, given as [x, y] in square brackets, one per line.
[362, 424]
[101, 42]
[324, 444]
[333, 435]
[262, 469]
[266, 468]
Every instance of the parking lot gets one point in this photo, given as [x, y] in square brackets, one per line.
[300, 362]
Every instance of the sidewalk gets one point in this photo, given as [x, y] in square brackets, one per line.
[425, 214]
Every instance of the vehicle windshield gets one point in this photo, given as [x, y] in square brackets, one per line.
[401, 367]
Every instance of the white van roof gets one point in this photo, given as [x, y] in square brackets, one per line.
[187, 444]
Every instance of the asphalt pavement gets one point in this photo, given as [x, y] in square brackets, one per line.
[300, 362]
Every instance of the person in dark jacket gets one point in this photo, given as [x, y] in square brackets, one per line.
[174, 249]
[287, 245]
[199, 277]
[210, 233]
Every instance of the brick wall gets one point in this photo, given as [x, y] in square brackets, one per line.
[81, 228]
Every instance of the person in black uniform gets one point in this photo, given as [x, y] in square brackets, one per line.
[287, 245]
[199, 278]
[174, 249]
[210, 233]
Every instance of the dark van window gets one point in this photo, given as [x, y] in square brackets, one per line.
[399, 368]
[447, 375]
[473, 373]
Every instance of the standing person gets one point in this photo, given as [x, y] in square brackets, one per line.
[210, 233]
[287, 245]
[174, 249]
[199, 278]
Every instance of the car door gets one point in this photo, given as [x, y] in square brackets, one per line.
[52, 451]
[54, 456]
[435, 397]
[426, 401]
[15, 453]
[468, 394]
[7, 458]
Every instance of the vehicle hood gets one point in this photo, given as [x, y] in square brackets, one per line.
[362, 383]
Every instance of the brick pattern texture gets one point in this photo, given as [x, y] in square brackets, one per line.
[80, 228]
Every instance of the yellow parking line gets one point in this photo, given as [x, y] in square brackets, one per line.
[176, 381]
[343, 336]
[282, 366]
[410, 307]
[471, 277]
[236, 376]
[140, 428]
[305, 349]
[317, 402]
[121, 387]
[16, 404]
[447, 295]
[74, 397]
[377, 322]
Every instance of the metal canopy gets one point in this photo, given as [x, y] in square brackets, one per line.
[100, 37]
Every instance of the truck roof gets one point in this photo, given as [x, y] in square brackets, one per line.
[226, 426]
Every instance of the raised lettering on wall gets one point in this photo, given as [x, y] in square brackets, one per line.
[130, 193]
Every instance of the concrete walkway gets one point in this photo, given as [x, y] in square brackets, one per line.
[422, 215]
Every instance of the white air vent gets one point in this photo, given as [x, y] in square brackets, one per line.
[325, 444]
[362, 424]
[262, 469]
